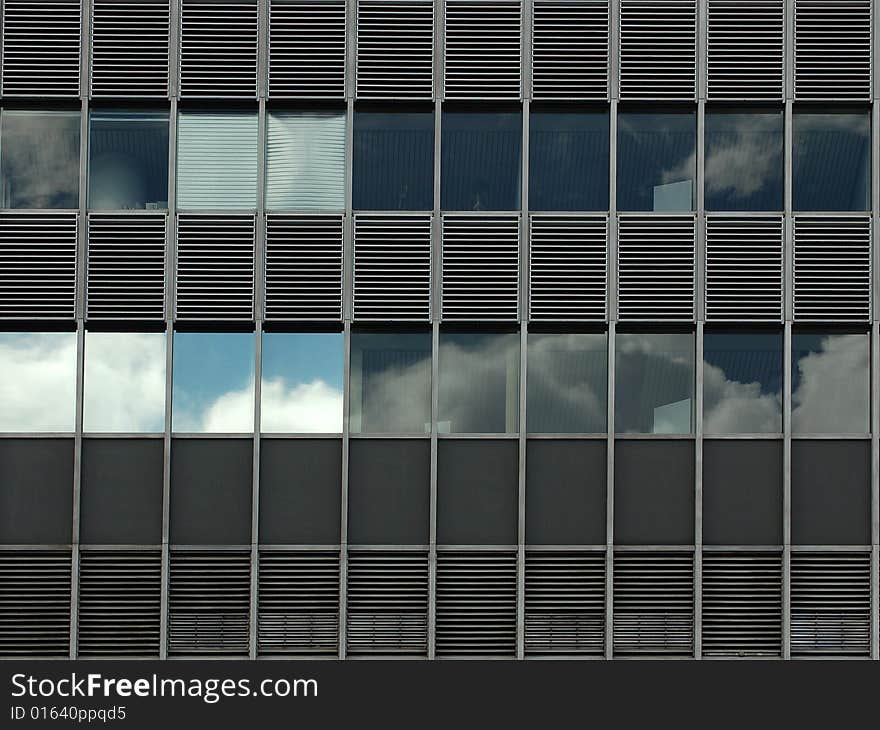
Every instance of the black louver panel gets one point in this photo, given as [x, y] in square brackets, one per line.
[34, 604]
[387, 603]
[565, 603]
[742, 604]
[304, 267]
[298, 603]
[38, 261]
[119, 603]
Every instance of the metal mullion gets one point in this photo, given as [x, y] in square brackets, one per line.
[875, 351]
[343, 528]
[262, 49]
[350, 75]
[526, 15]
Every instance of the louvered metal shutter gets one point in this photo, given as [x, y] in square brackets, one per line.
[653, 603]
[476, 604]
[395, 49]
[568, 268]
[34, 603]
[832, 269]
[119, 603]
[209, 603]
[41, 47]
[126, 267]
[392, 267]
[480, 268]
[565, 603]
[298, 603]
[570, 48]
[658, 49]
[38, 261]
[745, 50]
[655, 264]
[215, 267]
[130, 48]
[218, 49]
[304, 267]
[307, 49]
[830, 603]
[483, 40]
[387, 603]
[742, 604]
[832, 50]
[744, 269]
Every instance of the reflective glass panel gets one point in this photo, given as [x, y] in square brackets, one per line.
[567, 383]
[830, 383]
[37, 381]
[301, 389]
[654, 383]
[390, 382]
[656, 161]
[124, 387]
[479, 383]
[744, 161]
[742, 383]
[39, 159]
[213, 382]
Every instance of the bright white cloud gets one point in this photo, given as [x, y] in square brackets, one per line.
[733, 407]
[313, 407]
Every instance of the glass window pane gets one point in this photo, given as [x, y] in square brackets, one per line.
[37, 381]
[479, 383]
[654, 389]
[744, 161]
[305, 165]
[128, 161]
[301, 389]
[390, 382]
[216, 161]
[567, 383]
[124, 387]
[742, 383]
[393, 161]
[830, 383]
[831, 160]
[568, 161]
[656, 161]
[480, 161]
[39, 159]
[213, 382]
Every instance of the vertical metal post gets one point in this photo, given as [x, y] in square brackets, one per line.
[875, 340]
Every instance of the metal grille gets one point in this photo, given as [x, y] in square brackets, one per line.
[653, 603]
[480, 268]
[745, 50]
[832, 50]
[307, 49]
[565, 603]
[568, 268]
[395, 49]
[298, 603]
[41, 47]
[658, 49]
[832, 269]
[483, 39]
[476, 604]
[570, 49]
[38, 261]
[387, 603]
[218, 49]
[304, 267]
[215, 267]
[655, 260]
[392, 267]
[119, 603]
[744, 269]
[209, 603]
[830, 603]
[34, 604]
[742, 604]
[130, 48]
